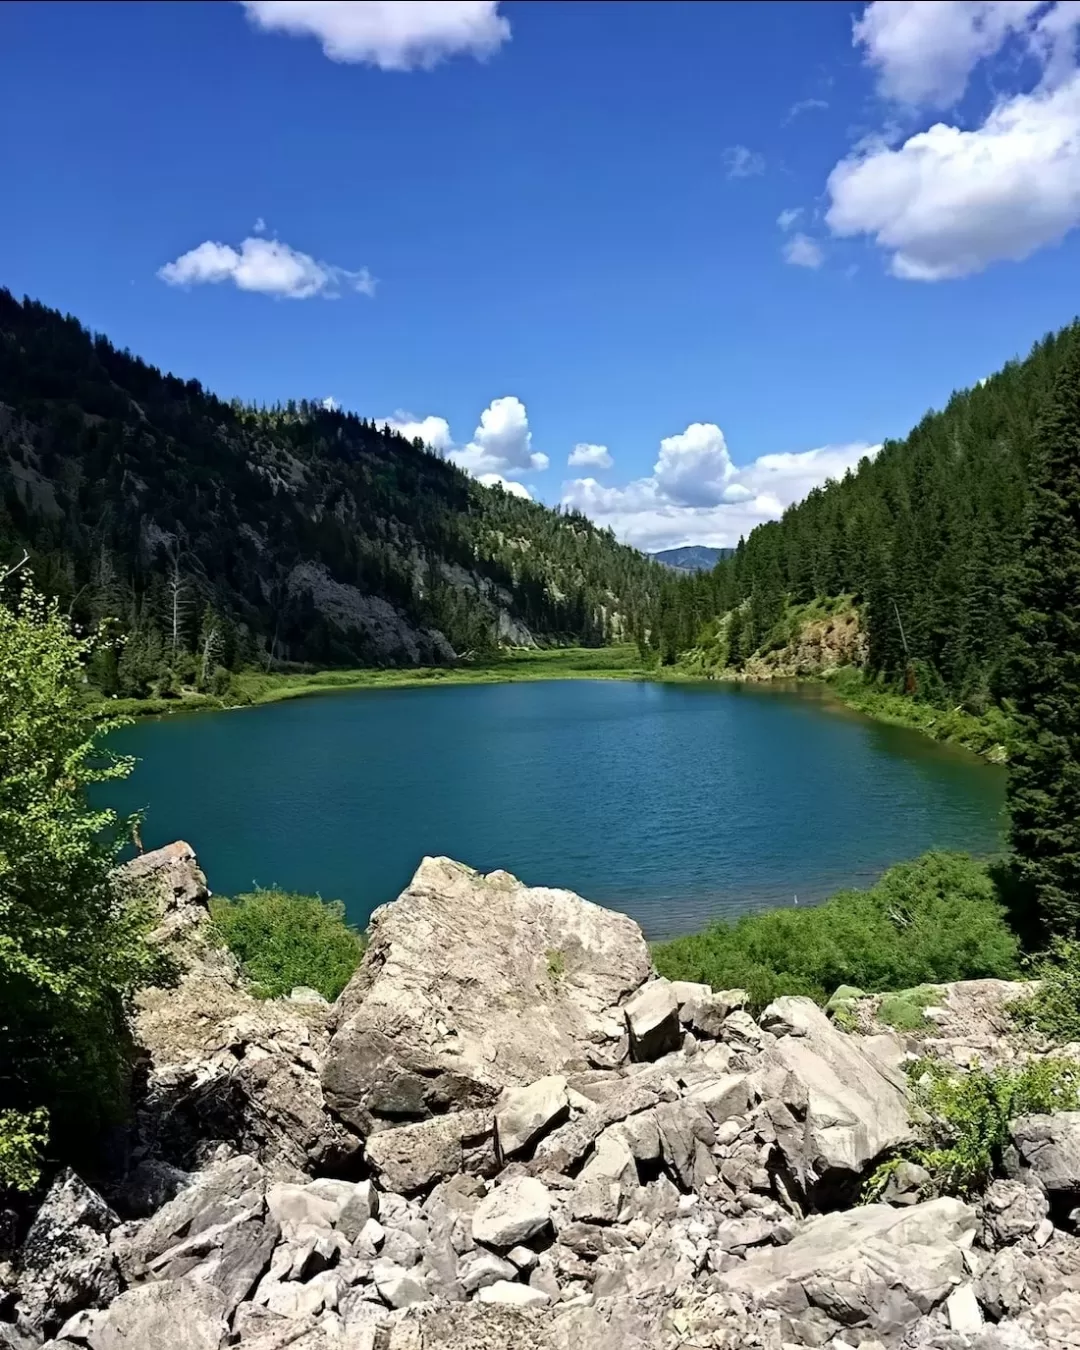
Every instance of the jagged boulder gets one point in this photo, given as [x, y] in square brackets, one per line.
[217, 1231]
[170, 880]
[844, 1097]
[181, 1314]
[223, 1067]
[876, 1266]
[66, 1264]
[1047, 1149]
[472, 984]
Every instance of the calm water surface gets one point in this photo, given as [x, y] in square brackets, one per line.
[675, 803]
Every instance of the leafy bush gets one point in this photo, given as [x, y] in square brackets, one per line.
[283, 940]
[903, 1011]
[925, 922]
[966, 1114]
[23, 1136]
[1053, 1007]
[72, 948]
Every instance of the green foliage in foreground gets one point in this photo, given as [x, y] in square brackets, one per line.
[23, 1136]
[283, 940]
[925, 922]
[1053, 1005]
[965, 1117]
[72, 948]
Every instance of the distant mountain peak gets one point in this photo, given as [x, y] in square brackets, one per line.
[692, 557]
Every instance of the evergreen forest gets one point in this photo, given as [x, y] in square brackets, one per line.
[219, 536]
[927, 538]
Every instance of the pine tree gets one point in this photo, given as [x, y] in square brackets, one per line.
[1044, 774]
[735, 640]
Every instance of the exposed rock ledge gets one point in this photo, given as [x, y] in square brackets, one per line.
[510, 1132]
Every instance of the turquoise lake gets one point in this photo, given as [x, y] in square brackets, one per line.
[675, 803]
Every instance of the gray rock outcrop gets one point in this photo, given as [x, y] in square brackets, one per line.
[472, 984]
[560, 1152]
[1048, 1150]
[844, 1098]
[223, 1066]
[876, 1266]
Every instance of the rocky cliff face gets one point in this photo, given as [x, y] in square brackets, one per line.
[822, 644]
[509, 1131]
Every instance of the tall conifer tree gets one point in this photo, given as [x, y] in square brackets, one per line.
[1044, 775]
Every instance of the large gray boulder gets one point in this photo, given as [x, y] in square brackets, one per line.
[875, 1266]
[845, 1097]
[471, 984]
[216, 1231]
[223, 1067]
[66, 1264]
[181, 1314]
[512, 1213]
[1048, 1151]
[227, 1068]
[170, 881]
[414, 1157]
[525, 1114]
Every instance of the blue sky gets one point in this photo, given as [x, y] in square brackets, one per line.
[527, 227]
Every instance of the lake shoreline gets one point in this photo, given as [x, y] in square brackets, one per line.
[985, 736]
[672, 801]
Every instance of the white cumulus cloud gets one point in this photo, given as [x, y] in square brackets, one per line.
[390, 34]
[330, 403]
[948, 202]
[433, 431]
[694, 468]
[267, 266]
[786, 219]
[584, 456]
[507, 484]
[802, 251]
[499, 453]
[925, 50]
[696, 495]
[502, 443]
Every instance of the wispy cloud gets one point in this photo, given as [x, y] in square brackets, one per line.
[802, 251]
[742, 162]
[805, 105]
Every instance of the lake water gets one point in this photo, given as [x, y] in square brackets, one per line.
[675, 803]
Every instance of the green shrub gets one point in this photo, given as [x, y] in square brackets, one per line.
[901, 1013]
[966, 1114]
[283, 940]
[925, 922]
[23, 1135]
[1053, 1007]
[72, 947]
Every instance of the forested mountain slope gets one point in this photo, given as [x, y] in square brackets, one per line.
[219, 534]
[693, 557]
[925, 539]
